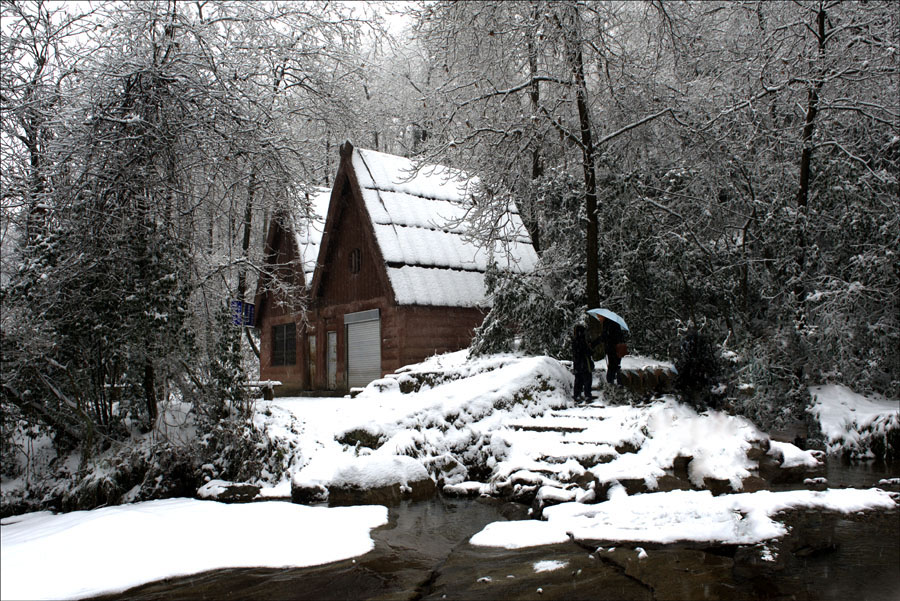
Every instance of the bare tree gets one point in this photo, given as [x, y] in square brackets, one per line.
[525, 78]
[183, 127]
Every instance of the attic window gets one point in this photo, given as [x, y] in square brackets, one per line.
[355, 260]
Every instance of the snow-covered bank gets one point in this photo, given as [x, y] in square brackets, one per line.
[855, 425]
[447, 419]
[506, 425]
[686, 515]
[88, 553]
[170, 460]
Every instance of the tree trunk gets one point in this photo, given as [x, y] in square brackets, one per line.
[327, 158]
[537, 166]
[812, 109]
[576, 64]
[150, 390]
[245, 254]
[245, 242]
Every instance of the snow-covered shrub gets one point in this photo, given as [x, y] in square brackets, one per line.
[698, 369]
[528, 314]
[361, 437]
[237, 451]
[855, 426]
[224, 385]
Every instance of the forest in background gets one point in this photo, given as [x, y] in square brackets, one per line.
[723, 173]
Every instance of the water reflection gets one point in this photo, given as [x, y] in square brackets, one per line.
[423, 553]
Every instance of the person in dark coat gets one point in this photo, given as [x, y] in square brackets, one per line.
[611, 335]
[582, 363]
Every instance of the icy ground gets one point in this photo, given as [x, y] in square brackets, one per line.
[498, 425]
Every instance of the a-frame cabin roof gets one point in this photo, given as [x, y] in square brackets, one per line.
[308, 230]
[418, 217]
[294, 236]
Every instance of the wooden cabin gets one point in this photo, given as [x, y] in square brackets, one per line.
[380, 277]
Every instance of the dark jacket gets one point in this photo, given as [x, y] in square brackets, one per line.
[581, 352]
[611, 334]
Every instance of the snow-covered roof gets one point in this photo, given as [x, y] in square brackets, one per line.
[308, 232]
[418, 215]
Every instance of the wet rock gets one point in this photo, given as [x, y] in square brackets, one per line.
[669, 483]
[391, 494]
[753, 484]
[589, 461]
[771, 469]
[890, 484]
[816, 483]
[523, 493]
[627, 447]
[308, 494]
[601, 490]
[676, 573]
[634, 486]
[526, 477]
[583, 480]
[717, 486]
[509, 510]
[557, 572]
[795, 432]
[758, 450]
[229, 492]
[680, 467]
[760, 566]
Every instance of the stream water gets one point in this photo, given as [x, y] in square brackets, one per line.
[423, 553]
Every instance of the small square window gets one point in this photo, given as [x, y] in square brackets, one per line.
[355, 260]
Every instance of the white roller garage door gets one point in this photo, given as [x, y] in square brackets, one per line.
[363, 347]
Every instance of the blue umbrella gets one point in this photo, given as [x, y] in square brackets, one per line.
[598, 313]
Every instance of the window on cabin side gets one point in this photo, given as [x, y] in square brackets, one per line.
[284, 344]
[355, 260]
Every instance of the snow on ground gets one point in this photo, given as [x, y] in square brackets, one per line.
[512, 418]
[88, 553]
[549, 565]
[683, 515]
[790, 456]
[853, 423]
[639, 362]
[496, 424]
[457, 417]
[660, 432]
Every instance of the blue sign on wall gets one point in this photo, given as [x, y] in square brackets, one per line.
[242, 313]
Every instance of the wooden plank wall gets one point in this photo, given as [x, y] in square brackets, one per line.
[425, 331]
